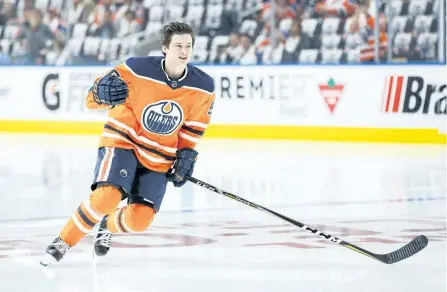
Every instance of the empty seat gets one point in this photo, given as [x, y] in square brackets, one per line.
[5, 46]
[196, 2]
[423, 23]
[91, 46]
[417, 7]
[330, 41]
[75, 46]
[115, 44]
[201, 43]
[398, 24]
[16, 48]
[41, 4]
[248, 26]
[58, 4]
[437, 5]
[285, 24]
[330, 25]
[124, 50]
[153, 27]
[396, 8]
[234, 5]
[220, 40]
[216, 42]
[11, 31]
[178, 2]
[331, 56]
[104, 48]
[253, 4]
[402, 41]
[150, 3]
[174, 13]
[194, 15]
[51, 57]
[353, 56]
[216, 2]
[156, 14]
[212, 17]
[426, 44]
[353, 41]
[309, 26]
[308, 56]
[199, 56]
[79, 30]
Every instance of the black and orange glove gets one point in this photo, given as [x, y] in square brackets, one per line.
[183, 166]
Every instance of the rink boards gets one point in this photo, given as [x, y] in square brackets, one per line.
[336, 103]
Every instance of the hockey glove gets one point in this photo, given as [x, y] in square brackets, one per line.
[110, 90]
[183, 166]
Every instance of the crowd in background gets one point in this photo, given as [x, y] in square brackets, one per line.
[252, 31]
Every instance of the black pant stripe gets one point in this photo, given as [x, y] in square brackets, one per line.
[85, 218]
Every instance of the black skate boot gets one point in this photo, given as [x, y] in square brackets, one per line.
[103, 239]
[55, 252]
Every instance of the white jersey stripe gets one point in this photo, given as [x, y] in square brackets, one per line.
[187, 137]
[140, 138]
[144, 154]
[196, 124]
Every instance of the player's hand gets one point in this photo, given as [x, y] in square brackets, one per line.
[110, 90]
[183, 166]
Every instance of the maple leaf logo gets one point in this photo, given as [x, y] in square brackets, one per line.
[331, 93]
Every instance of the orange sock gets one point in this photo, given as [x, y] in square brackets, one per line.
[131, 218]
[102, 201]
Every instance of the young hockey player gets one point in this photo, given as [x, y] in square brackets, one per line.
[158, 108]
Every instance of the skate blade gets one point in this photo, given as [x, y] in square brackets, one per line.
[47, 260]
[95, 259]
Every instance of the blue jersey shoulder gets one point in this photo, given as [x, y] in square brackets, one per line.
[151, 67]
[199, 79]
[146, 67]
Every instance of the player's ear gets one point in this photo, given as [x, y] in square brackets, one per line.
[164, 49]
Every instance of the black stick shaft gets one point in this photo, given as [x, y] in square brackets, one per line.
[418, 243]
[265, 210]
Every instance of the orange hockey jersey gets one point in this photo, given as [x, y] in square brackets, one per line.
[160, 115]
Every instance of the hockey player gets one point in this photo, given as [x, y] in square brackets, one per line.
[158, 108]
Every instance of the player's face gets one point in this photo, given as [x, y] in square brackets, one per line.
[180, 49]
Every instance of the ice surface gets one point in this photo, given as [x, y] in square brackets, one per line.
[378, 196]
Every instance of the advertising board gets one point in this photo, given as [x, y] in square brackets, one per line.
[310, 102]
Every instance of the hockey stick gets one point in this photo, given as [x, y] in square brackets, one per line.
[411, 248]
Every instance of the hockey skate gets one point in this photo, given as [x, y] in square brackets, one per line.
[103, 239]
[55, 252]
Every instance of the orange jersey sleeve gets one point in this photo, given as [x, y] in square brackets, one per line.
[119, 70]
[195, 124]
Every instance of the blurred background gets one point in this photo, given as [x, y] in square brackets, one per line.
[327, 73]
[104, 32]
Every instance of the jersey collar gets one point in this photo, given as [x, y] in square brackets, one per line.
[167, 76]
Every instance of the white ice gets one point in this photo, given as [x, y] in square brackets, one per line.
[377, 196]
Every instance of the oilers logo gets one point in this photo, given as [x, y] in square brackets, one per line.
[162, 118]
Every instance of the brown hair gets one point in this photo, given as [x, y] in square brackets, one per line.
[173, 28]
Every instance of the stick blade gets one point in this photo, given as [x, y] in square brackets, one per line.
[411, 248]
